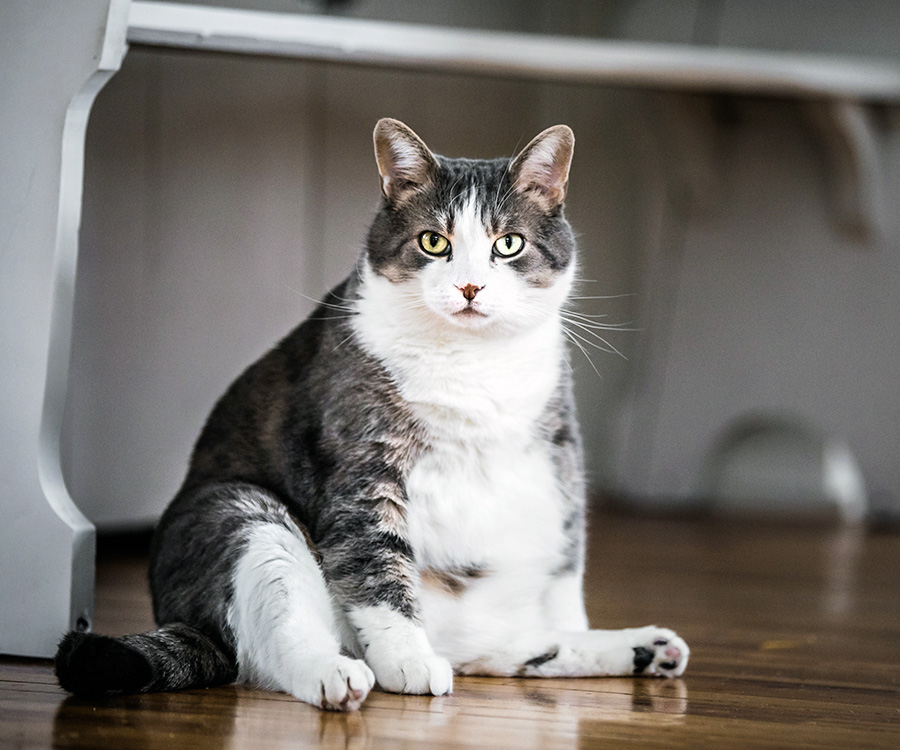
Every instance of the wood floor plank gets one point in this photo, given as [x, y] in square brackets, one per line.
[793, 633]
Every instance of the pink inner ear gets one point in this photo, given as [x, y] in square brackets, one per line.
[404, 158]
[404, 161]
[546, 160]
[543, 166]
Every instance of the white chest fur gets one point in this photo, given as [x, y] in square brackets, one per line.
[484, 493]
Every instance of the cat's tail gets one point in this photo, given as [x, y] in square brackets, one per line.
[175, 657]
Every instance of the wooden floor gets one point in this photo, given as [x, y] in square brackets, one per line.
[795, 633]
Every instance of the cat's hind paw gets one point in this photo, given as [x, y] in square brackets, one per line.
[663, 654]
[335, 684]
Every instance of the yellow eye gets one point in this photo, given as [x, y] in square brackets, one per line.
[434, 243]
[509, 245]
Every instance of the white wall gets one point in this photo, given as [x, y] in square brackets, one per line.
[770, 311]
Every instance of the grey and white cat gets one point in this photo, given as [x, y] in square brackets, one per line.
[394, 493]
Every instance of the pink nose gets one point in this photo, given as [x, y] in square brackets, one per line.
[469, 291]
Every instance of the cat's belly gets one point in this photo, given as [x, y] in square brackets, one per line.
[486, 524]
[497, 507]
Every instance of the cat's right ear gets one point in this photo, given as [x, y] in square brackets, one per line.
[404, 161]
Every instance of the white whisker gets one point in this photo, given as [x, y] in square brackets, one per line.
[603, 296]
[577, 343]
[604, 346]
[333, 317]
[317, 302]
[344, 341]
[589, 322]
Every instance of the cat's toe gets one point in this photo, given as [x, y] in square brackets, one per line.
[417, 675]
[345, 688]
[338, 684]
[662, 654]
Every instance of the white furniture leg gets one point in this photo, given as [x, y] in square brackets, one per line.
[62, 54]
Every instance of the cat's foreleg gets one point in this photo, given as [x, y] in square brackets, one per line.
[649, 651]
[281, 614]
[369, 563]
[563, 598]
[398, 651]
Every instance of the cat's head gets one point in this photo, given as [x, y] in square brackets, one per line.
[477, 244]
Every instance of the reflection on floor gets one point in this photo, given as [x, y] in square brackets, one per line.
[793, 631]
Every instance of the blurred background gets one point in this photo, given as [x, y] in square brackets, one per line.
[748, 244]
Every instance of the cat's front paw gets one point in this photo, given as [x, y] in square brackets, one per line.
[398, 651]
[334, 684]
[661, 654]
[416, 674]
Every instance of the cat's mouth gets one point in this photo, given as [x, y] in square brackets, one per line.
[470, 312]
[470, 316]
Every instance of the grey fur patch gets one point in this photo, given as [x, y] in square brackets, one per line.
[559, 428]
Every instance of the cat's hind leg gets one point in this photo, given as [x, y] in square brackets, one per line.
[237, 593]
[282, 617]
[650, 651]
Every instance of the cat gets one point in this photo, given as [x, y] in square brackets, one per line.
[395, 492]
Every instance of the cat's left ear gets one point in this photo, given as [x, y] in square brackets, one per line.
[404, 161]
[541, 170]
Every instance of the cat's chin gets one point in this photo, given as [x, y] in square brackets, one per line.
[481, 325]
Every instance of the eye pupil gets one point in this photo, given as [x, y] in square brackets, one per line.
[434, 244]
[509, 245]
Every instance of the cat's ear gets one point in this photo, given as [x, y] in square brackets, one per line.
[541, 170]
[404, 161]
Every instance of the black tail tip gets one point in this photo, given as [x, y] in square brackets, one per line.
[94, 665]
